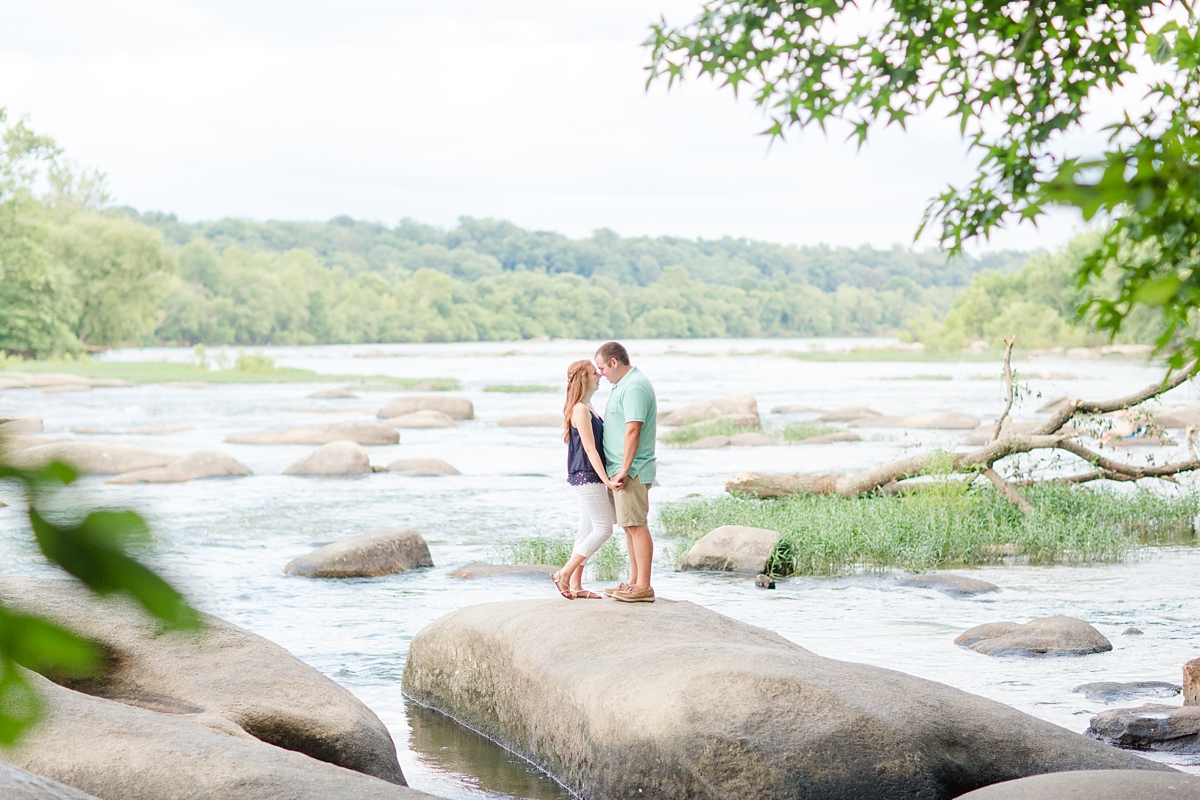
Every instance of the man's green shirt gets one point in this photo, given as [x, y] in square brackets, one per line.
[632, 400]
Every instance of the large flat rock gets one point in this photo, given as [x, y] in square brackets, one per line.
[200, 464]
[359, 432]
[455, 407]
[427, 418]
[672, 700]
[1048, 636]
[1152, 726]
[742, 405]
[943, 421]
[1094, 785]
[20, 424]
[382, 552]
[92, 458]
[223, 670]
[17, 784]
[422, 467]
[116, 751]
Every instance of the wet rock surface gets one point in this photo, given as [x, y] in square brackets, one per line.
[953, 585]
[1174, 729]
[1049, 636]
[724, 709]
[1109, 692]
[382, 552]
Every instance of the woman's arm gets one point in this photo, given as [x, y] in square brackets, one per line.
[581, 418]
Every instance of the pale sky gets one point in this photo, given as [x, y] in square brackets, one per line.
[533, 111]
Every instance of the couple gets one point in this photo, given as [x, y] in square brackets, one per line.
[611, 463]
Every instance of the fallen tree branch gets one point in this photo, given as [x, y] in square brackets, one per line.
[1008, 491]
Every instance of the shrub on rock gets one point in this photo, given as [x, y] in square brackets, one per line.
[1049, 636]
[382, 552]
[335, 458]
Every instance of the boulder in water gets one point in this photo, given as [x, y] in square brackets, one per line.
[709, 442]
[532, 421]
[17, 784]
[739, 405]
[723, 709]
[20, 424]
[983, 434]
[421, 467]
[751, 439]
[733, 548]
[479, 569]
[221, 672]
[382, 552]
[93, 458]
[89, 430]
[367, 433]
[1048, 636]
[831, 438]
[1109, 784]
[427, 418]
[953, 585]
[25, 442]
[335, 394]
[1108, 692]
[943, 421]
[200, 464]
[848, 414]
[456, 407]
[796, 410]
[335, 458]
[159, 430]
[1178, 417]
[1172, 729]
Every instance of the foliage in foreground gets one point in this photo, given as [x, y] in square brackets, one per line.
[947, 525]
[605, 565]
[94, 550]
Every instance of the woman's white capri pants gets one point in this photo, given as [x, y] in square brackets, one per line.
[596, 517]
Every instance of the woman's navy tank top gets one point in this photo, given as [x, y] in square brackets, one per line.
[579, 467]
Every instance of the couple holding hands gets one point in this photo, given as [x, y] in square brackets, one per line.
[611, 463]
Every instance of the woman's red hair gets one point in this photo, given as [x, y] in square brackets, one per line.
[577, 377]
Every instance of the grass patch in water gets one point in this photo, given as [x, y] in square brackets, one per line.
[256, 370]
[605, 565]
[799, 431]
[920, 378]
[686, 434]
[520, 388]
[946, 526]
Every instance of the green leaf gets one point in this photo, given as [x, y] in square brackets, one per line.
[1159, 292]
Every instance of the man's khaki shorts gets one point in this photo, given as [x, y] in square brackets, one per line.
[633, 503]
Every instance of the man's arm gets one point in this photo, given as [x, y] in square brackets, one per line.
[633, 437]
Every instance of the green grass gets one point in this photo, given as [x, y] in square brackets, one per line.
[261, 372]
[799, 431]
[686, 434]
[605, 565]
[520, 388]
[946, 526]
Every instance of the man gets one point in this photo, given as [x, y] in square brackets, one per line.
[630, 428]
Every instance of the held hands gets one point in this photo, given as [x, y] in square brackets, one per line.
[617, 483]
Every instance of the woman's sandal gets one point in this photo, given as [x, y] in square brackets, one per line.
[584, 594]
[563, 587]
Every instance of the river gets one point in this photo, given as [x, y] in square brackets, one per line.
[225, 542]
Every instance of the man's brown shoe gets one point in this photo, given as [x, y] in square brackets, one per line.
[633, 594]
[611, 590]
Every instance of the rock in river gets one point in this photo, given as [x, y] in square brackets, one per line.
[421, 467]
[740, 405]
[17, 784]
[848, 414]
[456, 407]
[200, 464]
[480, 569]
[734, 548]
[1174, 729]
[335, 458]
[723, 709]
[361, 432]
[335, 394]
[709, 442]
[426, 418]
[229, 674]
[1109, 784]
[532, 421]
[751, 439]
[1048, 636]
[382, 552]
[954, 585]
[1108, 692]
[18, 424]
[945, 421]
[93, 458]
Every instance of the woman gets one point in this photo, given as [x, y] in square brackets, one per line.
[583, 431]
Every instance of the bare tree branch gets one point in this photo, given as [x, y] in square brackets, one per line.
[1011, 494]
[1061, 417]
[1008, 386]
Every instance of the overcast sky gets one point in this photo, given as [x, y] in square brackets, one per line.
[529, 110]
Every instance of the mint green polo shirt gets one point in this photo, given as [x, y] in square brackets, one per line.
[632, 400]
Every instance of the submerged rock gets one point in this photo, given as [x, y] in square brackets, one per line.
[954, 585]
[240, 681]
[17, 784]
[335, 394]
[427, 418]
[1108, 784]
[456, 407]
[532, 421]
[479, 569]
[740, 405]
[1049, 636]
[382, 552]
[764, 581]
[1108, 692]
[1174, 729]
[200, 464]
[723, 709]
[92, 458]
[360, 432]
[733, 548]
[421, 467]
[335, 458]
[848, 414]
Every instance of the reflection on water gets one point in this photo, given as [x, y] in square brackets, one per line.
[478, 765]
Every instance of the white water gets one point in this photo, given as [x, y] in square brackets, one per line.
[225, 541]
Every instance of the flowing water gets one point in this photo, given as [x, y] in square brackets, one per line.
[225, 541]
